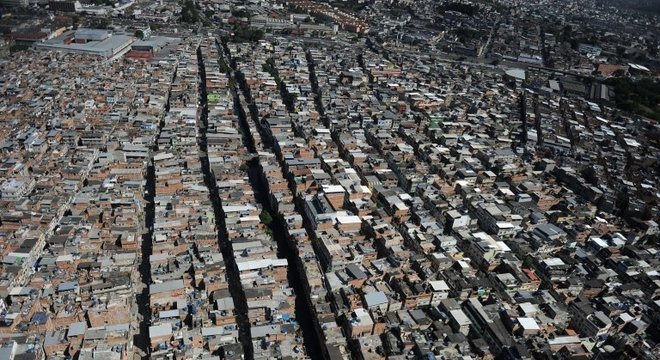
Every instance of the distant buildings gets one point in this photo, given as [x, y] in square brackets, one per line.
[340, 198]
[89, 41]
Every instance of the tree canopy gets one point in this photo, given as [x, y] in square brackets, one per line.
[641, 97]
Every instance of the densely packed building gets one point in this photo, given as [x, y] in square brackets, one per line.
[329, 180]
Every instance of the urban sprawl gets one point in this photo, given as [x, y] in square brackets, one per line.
[340, 179]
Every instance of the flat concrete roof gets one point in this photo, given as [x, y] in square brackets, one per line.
[107, 47]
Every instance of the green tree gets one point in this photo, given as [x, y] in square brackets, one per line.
[242, 13]
[641, 97]
[248, 35]
[189, 13]
[223, 65]
[265, 217]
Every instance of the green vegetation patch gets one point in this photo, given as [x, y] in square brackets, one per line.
[242, 13]
[189, 13]
[212, 98]
[245, 34]
[641, 97]
[466, 34]
[265, 217]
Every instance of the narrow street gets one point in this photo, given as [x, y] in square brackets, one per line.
[141, 338]
[224, 244]
[304, 313]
